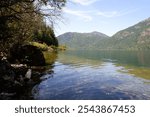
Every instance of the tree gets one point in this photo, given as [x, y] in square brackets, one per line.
[45, 34]
[20, 18]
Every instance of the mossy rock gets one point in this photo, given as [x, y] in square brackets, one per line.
[26, 54]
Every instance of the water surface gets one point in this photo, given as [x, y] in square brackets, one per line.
[97, 75]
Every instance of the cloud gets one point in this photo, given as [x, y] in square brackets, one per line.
[82, 14]
[89, 15]
[111, 14]
[107, 14]
[84, 2]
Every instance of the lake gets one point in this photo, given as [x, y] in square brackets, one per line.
[97, 75]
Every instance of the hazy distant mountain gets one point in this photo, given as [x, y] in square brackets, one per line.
[81, 40]
[134, 37]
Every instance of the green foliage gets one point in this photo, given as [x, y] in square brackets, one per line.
[45, 35]
[43, 47]
[20, 19]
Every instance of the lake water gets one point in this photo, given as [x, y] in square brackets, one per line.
[97, 75]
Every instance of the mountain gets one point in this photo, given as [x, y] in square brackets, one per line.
[81, 40]
[136, 37]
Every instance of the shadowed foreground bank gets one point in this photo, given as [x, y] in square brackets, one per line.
[17, 80]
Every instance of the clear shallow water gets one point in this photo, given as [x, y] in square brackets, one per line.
[97, 75]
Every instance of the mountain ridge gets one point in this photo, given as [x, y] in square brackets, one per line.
[81, 40]
[133, 37]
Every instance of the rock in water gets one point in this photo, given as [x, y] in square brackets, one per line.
[7, 77]
[28, 74]
[6, 71]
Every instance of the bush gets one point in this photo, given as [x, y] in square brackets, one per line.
[43, 47]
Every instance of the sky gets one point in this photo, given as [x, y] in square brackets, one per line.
[105, 16]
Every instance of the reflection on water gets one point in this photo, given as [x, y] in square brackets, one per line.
[50, 57]
[97, 75]
[141, 72]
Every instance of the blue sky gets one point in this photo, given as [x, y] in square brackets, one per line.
[106, 16]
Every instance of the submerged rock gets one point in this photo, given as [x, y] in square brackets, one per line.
[12, 80]
[28, 74]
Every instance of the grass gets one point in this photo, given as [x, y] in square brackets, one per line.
[43, 47]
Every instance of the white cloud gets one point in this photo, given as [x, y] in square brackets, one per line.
[84, 2]
[82, 14]
[111, 14]
[89, 15]
[108, 14]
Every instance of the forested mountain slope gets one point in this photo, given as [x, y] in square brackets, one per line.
[133, 38]
[81, 40]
